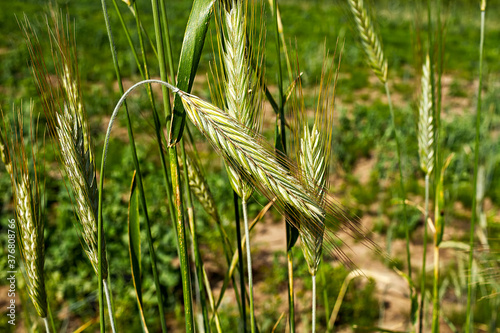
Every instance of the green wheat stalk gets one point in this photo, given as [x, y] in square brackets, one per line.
[426, 154]
[470, 320]
[376, 60]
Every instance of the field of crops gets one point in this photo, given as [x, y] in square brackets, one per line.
[322, 165]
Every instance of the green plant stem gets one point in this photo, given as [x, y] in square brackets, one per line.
[110, 308]
[313, 330]
[240, 260]
[424, 256]
[401, 182]
[181, 240]
[197, 256]
[435, 292]
[164, 22]
[249, 265]
[161, 59]
[470, 320]
[282, 136]
[291, 298]
[46, 323]
[140, 187]
[50, 317]
[129, 39]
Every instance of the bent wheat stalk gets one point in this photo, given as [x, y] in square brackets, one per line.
[263, 168]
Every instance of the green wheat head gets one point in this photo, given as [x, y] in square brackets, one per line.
[369, 40]
[68, 125]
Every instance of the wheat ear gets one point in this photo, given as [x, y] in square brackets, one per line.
[68, 125]
[242, 94]
[28, 208]
[369, 39]
[272, 174]
[425, 120]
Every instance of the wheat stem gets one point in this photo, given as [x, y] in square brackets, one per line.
[435, 292]
[240, 261]
[313, 330]
[249, 265]
[110, 308]
[424, 256]
[470, 321]
[401, 183]
[46, 323]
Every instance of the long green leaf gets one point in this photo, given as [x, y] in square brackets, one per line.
[194, 39]
[134, 247]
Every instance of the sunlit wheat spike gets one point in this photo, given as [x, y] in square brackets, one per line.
[68, 125]
[370, 40]
[425, 127]
[272, 174]
[313, 151]
[241, 81]
[30, 223]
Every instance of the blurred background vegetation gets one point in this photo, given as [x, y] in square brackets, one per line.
[364, 161]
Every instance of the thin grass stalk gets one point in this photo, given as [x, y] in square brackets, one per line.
[376, 60]
[249, 265]
[313, 306]
[240, 260]
[281, 129]
[50, 317]
[181, 239]
[211, 301]
[110, 307]
[139, 183]
[176, 182]
[424, 256]
[435, 292]
[161, 56]
[129, 39]
[401, 183]
[470, 301]
[426, 155]
[46, 323]
[200, 189]
[167, 40]
[196, 250]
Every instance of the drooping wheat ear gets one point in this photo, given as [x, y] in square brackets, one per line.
[269, 172]
[68, 125]
[241, 82]
[30, 223]
[369, 39]
[425, 120]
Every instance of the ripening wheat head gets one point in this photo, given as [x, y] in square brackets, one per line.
[313, 151]
[30, 223]
[240, 84]
[425, 127]
[369, 40]
[68, 125]
[273, 175]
